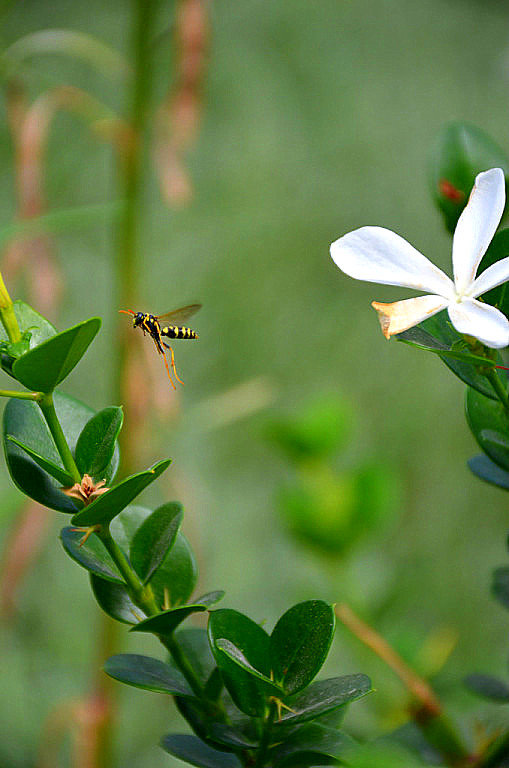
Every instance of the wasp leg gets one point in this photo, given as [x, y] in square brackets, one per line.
[172, 363]
[162, 352]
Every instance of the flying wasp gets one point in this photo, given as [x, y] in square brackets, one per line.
[172, 329]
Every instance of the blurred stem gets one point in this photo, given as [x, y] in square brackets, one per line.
[7, 315]
[494, 755]
[130, 166]
[45, 401]
[267, 730]
[428, 714]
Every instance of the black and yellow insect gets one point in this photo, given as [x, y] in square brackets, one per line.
[172, 329]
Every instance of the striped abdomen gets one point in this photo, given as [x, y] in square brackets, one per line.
[178, 332]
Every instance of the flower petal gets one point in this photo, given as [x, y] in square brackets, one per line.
[476, 226]
[495, 275]
[378, 255]
[401, 315]
[481, 320]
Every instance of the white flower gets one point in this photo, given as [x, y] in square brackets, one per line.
[378, 255]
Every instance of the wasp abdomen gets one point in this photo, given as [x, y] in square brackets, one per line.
[178, 332]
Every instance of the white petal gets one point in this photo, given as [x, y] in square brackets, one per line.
[495, 275]
[480, 320]
[401, 315]
[378, 255]
[476, 226]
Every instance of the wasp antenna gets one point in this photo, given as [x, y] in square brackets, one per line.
[127, 311]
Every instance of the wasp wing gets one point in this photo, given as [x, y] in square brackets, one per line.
[178, 316]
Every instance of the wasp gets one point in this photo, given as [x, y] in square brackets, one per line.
[172, 329]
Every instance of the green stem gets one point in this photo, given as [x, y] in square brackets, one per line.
[266, 734]
[45, 401]
[496, 752]
[499, 388]
[142, 595]
[183, 664]
[21, 395]
[7, 315]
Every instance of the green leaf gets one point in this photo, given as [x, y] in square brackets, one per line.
[300, 642]
[115, 601]
[195, 645]
[325, 696]
[166, 622]
[176, 578]
[155, 538]
[488, 687]
[490, 427]
[500, 586]
[437, 334]
[148, 673]
[249, 693]
[92, 554]
[231, 737]
[97, 443]
[50, 362]
[109, 504]
[193, 750]
[29, 320]
[461, 151]
[24, 421]
[487, 470]
[236, 655]
[311, 739]
[56, 471]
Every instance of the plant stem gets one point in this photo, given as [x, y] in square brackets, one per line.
[142, 595]
[45, 401]
[499, 388]
[21, 395]
[267, 730]
[183, 664]
[7, 315]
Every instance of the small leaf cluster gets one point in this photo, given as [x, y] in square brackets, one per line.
[250, 697]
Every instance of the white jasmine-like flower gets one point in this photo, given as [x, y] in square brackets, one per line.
[378, 255]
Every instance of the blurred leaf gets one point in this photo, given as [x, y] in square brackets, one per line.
[324, 696]
[166, 622]
[300, 642]
[154, 539]
[318, 430]
[460, 152]
[115, 601]
[444, 335]
[489, 425]
[412, 738]
[192, 750]
[148, 673]
[380, 754]
[488, 471]
[77, 45]
[500, 586]
[248, 692]
[497, 250]
[24, 421]
[107, 506]
[55, 470]
[176, 578]
[488, 687]
[48, 364]
[92, 554]
[236, 655]
[97, 442]
[309, 740]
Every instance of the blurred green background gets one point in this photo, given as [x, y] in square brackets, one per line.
[317, 118]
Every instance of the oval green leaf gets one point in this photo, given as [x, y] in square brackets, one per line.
[166, 622]
[249, 693]
[488, 687]
[148, 673]
[91, 554]
[500, 586]
[300, 642]
[97, 443]
[490, 426]
[155, 538]
[485, 469]
[325, 696]
[193, 750]
[109, 504]
[24, 421]
[311, 739]
[176, 577]
[115, 601]
[55, 470]
[50, 362]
